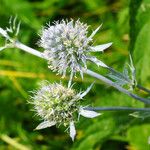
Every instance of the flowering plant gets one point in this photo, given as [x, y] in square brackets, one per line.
[67, 48]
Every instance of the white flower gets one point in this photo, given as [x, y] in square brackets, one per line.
[68, 47]
[58, 105]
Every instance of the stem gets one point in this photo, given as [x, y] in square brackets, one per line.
[118, 73]
[89, 72]
[25, 48]
[116, 109]
[143, 88]
[138, 85]
[111, 83]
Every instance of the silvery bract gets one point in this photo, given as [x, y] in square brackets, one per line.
[68, 47]
[3, 33]
[58, 105]
[127, 78]
[13, 29]
[10, 33]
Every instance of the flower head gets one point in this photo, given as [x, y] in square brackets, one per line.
[67, 46]
[58, 105]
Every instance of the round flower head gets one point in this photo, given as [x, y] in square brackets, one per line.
[58, 105]
[67, 46]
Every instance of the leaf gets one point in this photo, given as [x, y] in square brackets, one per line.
[143, 15]
[139, 16]
[119, 80]
[133, 10]
[88, 114]
[94, 32]
[139, 136]
[45, 124]
[142, 53]
[86, 91]
[72, 130]
[97, 62]
[142, 115]
[3, 33]
[124, 78]
[100, 48]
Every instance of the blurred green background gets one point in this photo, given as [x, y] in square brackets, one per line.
[126, 24]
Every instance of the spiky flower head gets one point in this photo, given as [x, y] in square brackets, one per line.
[59, 105]
[67, 46]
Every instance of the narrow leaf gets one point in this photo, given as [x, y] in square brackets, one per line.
[3, 33]
[88, 113]
[2, 48]
[72, 130]
[100, 48]
[45, 124]
[87, 90]
[94, 32]
[97, 62]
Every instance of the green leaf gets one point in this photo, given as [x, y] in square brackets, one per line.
[142, 52]
[133, 10]
[143, 15]
[139, 137]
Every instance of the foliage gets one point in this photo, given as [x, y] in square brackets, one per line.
[20, 72]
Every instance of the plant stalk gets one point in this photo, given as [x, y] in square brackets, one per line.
[25, 48]
[28, 49]
[138, 85]
[115, 109]
[113, 84]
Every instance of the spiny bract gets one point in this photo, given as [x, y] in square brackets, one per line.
[67, 46]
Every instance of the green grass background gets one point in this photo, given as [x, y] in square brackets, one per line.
[126, 24]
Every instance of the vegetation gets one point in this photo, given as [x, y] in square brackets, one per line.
[126, 24]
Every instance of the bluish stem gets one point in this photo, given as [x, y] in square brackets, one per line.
[116, 109]
[23, 47]
[113, 84]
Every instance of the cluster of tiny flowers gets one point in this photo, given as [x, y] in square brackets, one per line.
[58, 105]
[67, 46]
